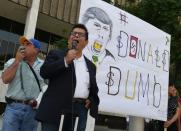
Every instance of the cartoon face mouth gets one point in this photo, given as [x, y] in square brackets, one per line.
[97, 46]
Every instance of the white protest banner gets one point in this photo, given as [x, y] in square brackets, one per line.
[132, 59]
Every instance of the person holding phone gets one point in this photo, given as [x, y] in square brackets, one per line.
[24, 87]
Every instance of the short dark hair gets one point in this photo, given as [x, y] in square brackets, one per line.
[171, 83]
[81, 26]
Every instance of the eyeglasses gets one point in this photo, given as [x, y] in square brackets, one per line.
[79, 34]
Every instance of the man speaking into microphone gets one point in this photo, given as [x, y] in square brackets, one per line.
[72, 89]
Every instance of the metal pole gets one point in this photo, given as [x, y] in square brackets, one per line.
[90, 123]
[31, 19]
[136, 123]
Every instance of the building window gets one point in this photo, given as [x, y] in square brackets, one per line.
[10, 31]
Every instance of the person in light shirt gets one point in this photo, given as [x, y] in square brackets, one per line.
[22, 73]
[72, 86]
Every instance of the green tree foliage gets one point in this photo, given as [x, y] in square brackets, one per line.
[165, 15]
[62, 44]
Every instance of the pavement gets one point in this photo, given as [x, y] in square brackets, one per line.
[97, 128]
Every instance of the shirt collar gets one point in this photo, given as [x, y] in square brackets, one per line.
[37, 61]
[80, 58]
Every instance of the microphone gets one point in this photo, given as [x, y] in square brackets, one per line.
[74, 44]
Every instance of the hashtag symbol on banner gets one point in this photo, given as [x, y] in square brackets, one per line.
[123, 18]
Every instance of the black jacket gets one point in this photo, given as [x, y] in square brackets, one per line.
[57, 99]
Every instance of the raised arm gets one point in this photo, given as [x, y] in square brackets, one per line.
[11, 68]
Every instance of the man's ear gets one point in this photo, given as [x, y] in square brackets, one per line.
[86, 42]
[109, 37]
[38, 50]
[69, 45]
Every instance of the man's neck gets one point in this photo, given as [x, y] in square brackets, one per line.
[78, 54]
[31, 60]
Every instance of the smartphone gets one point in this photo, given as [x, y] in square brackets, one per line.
[21, 48]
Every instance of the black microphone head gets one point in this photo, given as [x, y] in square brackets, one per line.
[74, 44]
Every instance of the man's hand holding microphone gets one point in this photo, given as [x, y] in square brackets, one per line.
[71, 54]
